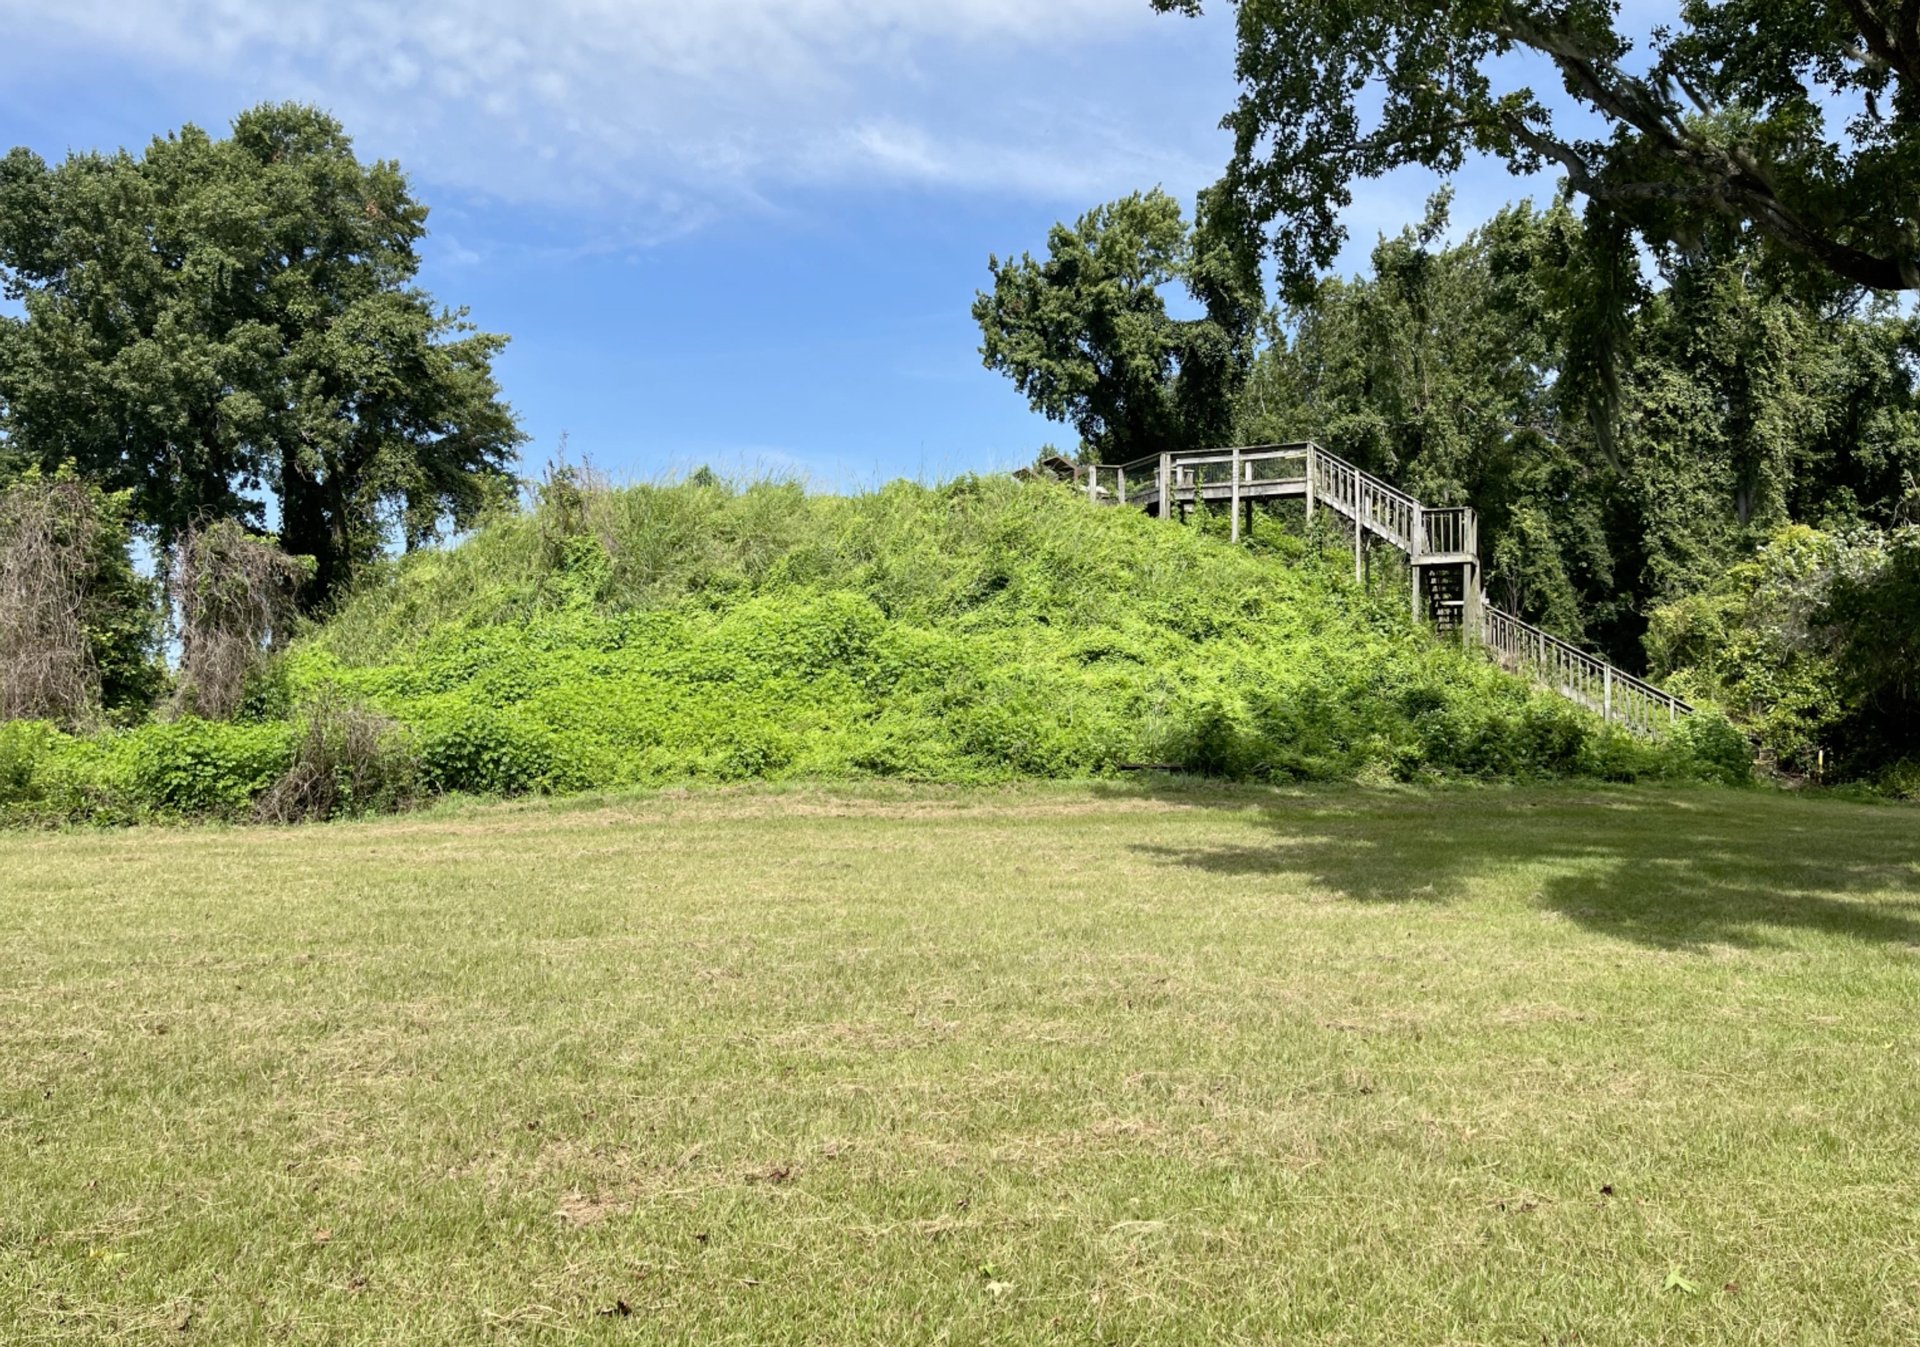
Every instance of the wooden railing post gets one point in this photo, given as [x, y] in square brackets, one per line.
[1313, 468]
[1233, 495]
[1166, 485]
[1359, 542]
[1413, 552]
[1121, 476]
[1607, 715]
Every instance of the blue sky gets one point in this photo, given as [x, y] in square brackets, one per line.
[738, 232]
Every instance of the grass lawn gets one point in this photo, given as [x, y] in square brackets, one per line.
[1053, 1064]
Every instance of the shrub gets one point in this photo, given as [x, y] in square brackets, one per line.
[232, 593]
[1900, 781]
[1714, 749]
[347, 760]
[484, 752]
[24, 744]
[1213, 735]
[205, 769]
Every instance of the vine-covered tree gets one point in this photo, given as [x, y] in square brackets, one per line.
[1799, 121]
[1739, 409]
[1087, 336]
[79, 629]
[215, 320]
[1444, 371]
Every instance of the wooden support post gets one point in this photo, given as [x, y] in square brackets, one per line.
[1166, 485]
[1121, 475]
[1359, 543]
[1607, 715]
[1471, 623]
[1313, 466]
[1093, 481]
[1413, 552]
[1233, 495]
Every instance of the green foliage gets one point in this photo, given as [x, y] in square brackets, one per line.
[1734, 407]
[217, 315]
[1812, 644]
[1719, 749]
[1719, 120]
[466, 747]
[1086, 336]
[977, 631]
[205, 769]
[48, 776]
[1874, 612]
[980, 631]
[1752, 644]
[24, 745]
[191, 769]
[1446, 372]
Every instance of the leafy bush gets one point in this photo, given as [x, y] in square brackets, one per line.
[24, 744]
[1715, 749]
[205, 769]
[485, 752]
[978, 631]
[347, 760]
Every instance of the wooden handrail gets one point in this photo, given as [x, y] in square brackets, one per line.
[1518, 639]
[1449, 533]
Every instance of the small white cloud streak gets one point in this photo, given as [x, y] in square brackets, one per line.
[666, 113]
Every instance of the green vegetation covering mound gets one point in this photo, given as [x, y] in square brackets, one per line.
[977, 631]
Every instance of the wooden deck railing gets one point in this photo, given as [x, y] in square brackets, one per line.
[1454, 531]
[1427, 535]
[1520, 647]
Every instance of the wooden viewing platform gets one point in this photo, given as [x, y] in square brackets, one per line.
[1441, 544]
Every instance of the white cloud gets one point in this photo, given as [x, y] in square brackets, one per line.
[667, 112]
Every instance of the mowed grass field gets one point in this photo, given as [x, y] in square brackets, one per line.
[1088, 1064]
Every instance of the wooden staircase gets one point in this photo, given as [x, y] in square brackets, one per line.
[1442, 546]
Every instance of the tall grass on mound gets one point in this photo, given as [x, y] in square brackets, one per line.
[978, 631]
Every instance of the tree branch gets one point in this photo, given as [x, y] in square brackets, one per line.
[1890, 48]
[1735, 183]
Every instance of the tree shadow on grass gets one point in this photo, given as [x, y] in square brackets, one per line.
[1670, 869]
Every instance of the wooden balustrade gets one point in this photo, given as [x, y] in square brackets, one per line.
[1170, 484]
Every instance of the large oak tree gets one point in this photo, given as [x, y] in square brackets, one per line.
[216, 322]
